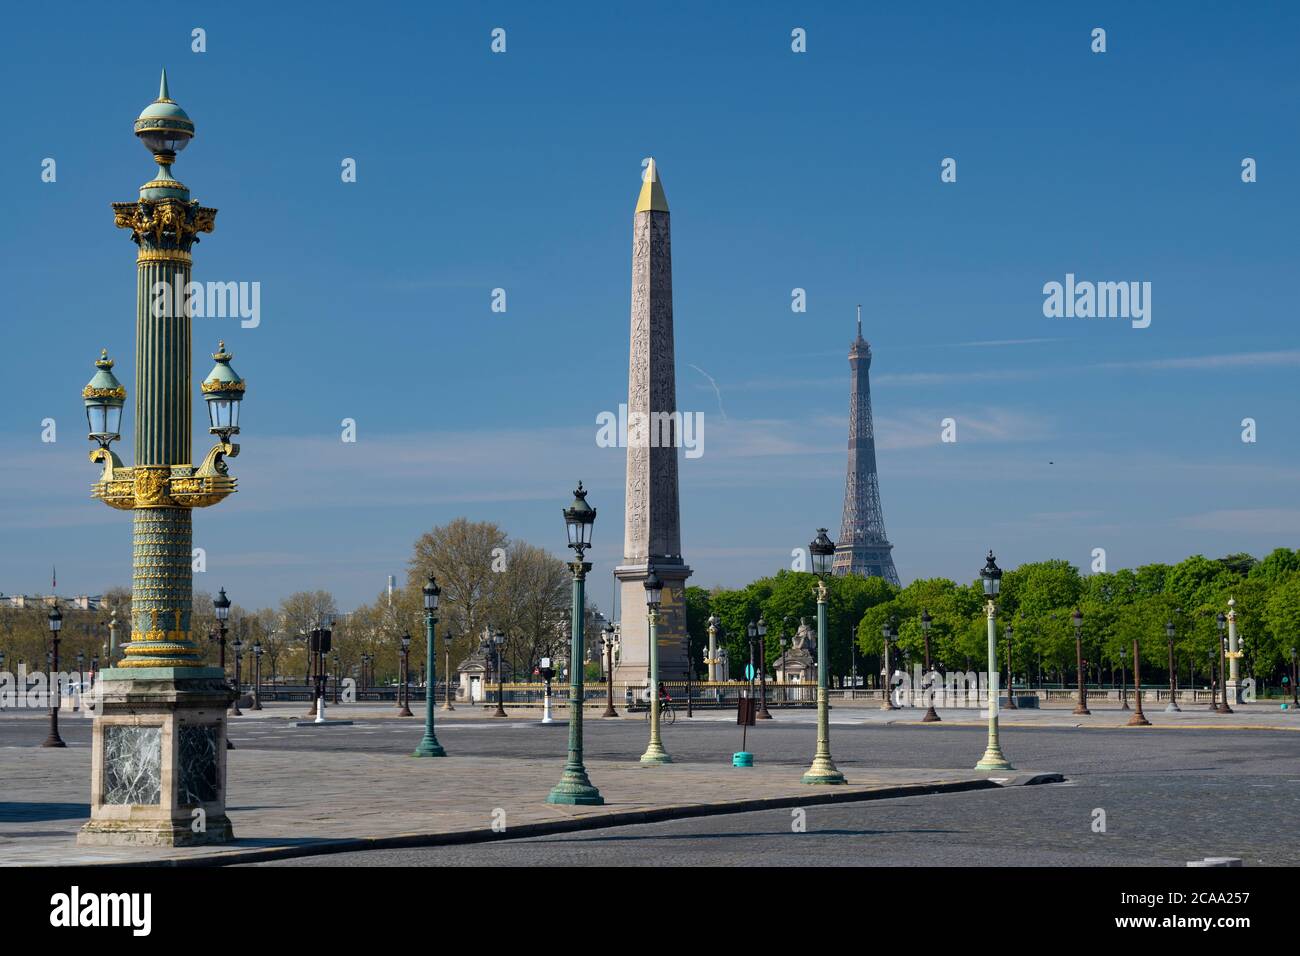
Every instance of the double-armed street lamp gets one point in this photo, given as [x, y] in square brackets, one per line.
[609, 640]
[428, 745]
[1011, 677]
[889, 634]
[404, 687]
[926, 622]
[1081, 707]
[575, 788]
[823, 769]
[991, 577]
[1221, 623]
[55, 621]
[655, 754]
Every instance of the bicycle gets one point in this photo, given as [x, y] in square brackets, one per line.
[667, 713]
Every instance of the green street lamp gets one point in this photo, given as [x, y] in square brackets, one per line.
[823, 769]
[761, 627]
[104, 397]
[498, 642]
[654, 589]
[1008, 632]
[575, 788]
[926, 621]
[1081, 707]
[1172, 707]
[55, 621]
[1295, 702]
[991, 576]
[428, 745]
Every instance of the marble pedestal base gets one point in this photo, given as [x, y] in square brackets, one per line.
[158, 765]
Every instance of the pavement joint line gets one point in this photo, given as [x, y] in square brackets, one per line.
[819, 797]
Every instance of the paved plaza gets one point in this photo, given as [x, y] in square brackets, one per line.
[1192, 785]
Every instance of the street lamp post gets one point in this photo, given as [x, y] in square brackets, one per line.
[1172, 707]
[930, 714]
[55, 621]
[257, 675]
[823, 769]
[1123, 679]
[1221, 622]
[991, 576]
[1011, 679]
[404, 688]
[785, 676]
[221, 610]
[498, 643]
[1138, 719]
[654, 753]
[889, 634]
[1214, 700]
[446, 671]
[712, 662]
[575, 788]
[1080, 708]
[762, 671]
[428, 745]
[607, 641]
[237, 646]
[1295, 702]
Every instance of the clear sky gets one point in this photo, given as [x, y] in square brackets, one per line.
[816, 170]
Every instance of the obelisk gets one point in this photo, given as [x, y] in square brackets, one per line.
[652, 527]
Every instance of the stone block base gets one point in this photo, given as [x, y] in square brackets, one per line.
[153, 833]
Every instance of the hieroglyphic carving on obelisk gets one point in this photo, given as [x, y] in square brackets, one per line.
[652, 530]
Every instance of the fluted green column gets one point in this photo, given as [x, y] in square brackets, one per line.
[575, 788]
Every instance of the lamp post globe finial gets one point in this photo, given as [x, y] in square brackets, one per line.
[163, 127]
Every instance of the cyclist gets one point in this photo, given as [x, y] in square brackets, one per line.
[664, 696]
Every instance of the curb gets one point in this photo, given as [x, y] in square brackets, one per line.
[626, 818]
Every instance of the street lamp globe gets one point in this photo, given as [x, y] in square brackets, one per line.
[579, 518]
[822, 550]
[499, 638]
[926, 620]
[431, 592]
[752, 631]
[221, 605]
[1169, 630]
[1220, 621]
[104, 396]
[55, 618]
[1077, 618]
[223, 390]
[654, 589]
[762, 628]
[406, 641]
[163, 127]
[991, 576]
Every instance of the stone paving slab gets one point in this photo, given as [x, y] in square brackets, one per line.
[289, 804]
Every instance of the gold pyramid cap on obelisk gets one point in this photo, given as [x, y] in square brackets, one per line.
[652, 191]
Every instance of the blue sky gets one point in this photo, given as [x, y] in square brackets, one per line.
[817, 170]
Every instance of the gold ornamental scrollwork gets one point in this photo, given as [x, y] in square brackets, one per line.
[151, 486]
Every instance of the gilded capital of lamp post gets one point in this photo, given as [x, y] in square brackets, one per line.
[159, 745]
[991, 577]
[823, 769]
[575, 788]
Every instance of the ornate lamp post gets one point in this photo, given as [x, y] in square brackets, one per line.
[823, 769]
[221, 610]
[1295, 702]
[654, 589]
[1076, 619]
[1214, 699]
[762, 671]
[785, 644]
[55, 621]
[1011, 678]
[1172, 707]
[498, 644]
[991, 576]
[888, 633]
[1220, 621]
[446, 671]
[712, 661]
[257, 675]
[608, 640]
[404, 688]
[1138, 719]
[428, 745]
[575, 788]
[1123, 679]
[930, 715]
[237, 647]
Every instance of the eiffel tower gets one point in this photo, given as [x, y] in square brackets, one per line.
[862, 547]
